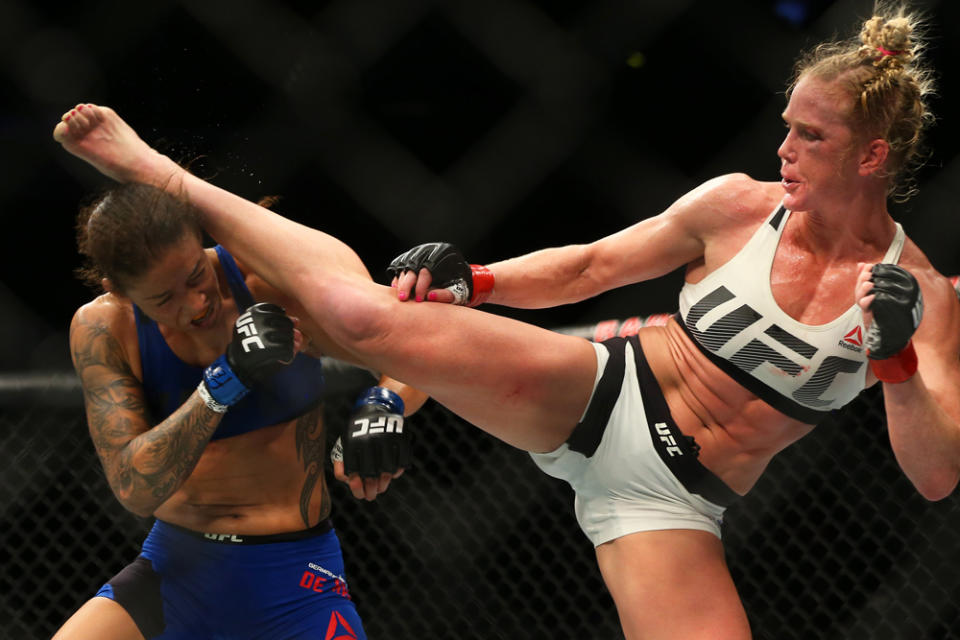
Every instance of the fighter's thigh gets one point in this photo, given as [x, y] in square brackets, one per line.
[99, 618]
[530, 389]
[673, 584]
[523, 384]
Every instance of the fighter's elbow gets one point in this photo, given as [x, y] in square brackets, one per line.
[137, 507]
[136, 503]
[139, 510]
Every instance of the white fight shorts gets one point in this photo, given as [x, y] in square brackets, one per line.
[630, 466]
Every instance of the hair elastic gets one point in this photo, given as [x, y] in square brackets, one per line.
[888, 52]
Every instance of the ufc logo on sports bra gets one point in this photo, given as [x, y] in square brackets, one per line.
[758, 350]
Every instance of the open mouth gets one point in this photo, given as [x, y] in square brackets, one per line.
[202, 317]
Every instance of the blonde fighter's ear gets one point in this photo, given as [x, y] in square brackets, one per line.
[874, 157]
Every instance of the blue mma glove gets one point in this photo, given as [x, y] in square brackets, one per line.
[262, 343]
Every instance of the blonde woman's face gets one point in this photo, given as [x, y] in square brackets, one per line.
[817, 156]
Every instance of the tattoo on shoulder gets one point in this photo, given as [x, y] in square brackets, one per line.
[110, 389]
[95, 345]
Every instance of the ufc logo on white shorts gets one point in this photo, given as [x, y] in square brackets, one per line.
[389, 424]
[668, 439]
[246, 327]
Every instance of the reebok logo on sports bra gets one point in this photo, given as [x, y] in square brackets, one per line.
[802, 370]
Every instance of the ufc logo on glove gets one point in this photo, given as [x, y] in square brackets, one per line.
[374, 441]
[383, 424]
[245, 326]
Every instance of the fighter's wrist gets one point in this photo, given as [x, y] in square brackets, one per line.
[381, 396]
[483, 282]
[898, 368]
[222, 383]
[209, 400]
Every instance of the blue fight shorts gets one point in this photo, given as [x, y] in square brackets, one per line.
[189, 585]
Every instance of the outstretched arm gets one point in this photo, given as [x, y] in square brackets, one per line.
[648, 249]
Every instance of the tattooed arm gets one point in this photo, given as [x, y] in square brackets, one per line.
[144, 464]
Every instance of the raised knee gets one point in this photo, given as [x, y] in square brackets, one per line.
[352, 311]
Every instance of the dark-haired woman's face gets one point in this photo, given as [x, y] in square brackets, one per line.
[180, 290]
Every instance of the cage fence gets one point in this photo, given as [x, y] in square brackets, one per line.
[474, 542]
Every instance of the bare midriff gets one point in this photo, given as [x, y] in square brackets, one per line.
[251, 484]
[737, 432]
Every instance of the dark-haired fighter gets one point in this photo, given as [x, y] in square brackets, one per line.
[204, 415]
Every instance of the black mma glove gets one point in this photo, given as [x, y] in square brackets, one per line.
[262, 343]
[471, 284]
[375, 441]
[897, 309]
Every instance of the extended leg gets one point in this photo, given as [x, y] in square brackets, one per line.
[525, 385]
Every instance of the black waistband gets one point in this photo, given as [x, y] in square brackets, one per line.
[588, 433]
[677, 450]
[322, 527]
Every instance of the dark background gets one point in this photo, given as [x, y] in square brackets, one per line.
[504, 126]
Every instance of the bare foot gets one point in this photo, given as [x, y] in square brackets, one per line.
[100, 137]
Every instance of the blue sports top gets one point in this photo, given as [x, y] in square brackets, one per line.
[168, 381]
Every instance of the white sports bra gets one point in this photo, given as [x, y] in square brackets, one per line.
[802, 370]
